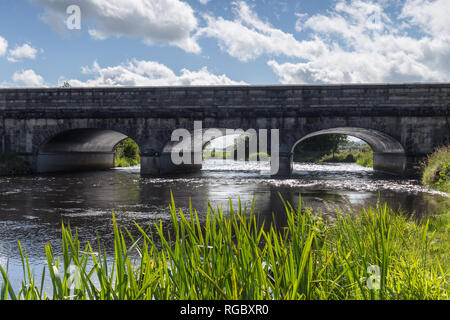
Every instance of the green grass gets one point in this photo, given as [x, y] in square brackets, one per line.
[436, 170]
[234, 256]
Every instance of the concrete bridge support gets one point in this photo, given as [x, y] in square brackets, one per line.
[161, 164]
[285, 164]
[392, 163]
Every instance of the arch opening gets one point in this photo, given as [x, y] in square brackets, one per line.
[235, 147]
[79, 150]
[333, 148]
[217, 149]
[388, 154]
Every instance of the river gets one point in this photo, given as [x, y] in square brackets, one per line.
[33, 207]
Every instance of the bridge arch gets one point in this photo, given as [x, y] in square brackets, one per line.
[201, 138]
[78, 149]
[389, 153]
[378, 141]
[161, 162]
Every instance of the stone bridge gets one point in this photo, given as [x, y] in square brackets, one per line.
[60, 129]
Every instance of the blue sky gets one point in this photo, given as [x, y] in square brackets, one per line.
[216, 42]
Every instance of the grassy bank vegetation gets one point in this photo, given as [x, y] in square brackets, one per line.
[374, 254]
[127, 153]
[363, 157]
[436, 170]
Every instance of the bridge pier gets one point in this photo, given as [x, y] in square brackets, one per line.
[156, 164]
[286, 164]
[392, 163]
[397, 163]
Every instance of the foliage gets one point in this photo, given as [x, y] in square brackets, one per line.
[444, 175]
[127, 153]
[436, 170]
[259, 156]
[317, 147]
[213, 154]
[341, 156]
[375, 254]
[363, 157]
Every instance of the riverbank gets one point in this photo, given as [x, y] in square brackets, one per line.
[374, 254]
[12, 165]
[362, 157]
[436, 170]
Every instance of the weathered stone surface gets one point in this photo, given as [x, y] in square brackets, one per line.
[401, 122]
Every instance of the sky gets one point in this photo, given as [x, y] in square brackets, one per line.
[217, 42]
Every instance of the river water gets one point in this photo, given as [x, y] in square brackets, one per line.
[33, 207]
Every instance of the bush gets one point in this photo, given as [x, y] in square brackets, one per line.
[350, 158]
[127, 153]
[365, 158]
[436, 170]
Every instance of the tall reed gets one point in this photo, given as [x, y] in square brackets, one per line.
[372, 254]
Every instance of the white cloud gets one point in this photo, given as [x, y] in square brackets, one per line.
[3, 46]
[431, 17]
[154, 21]
[364, 44]
[148, 73]
[357, 41]
[248, 37]
[28, 78]
[204, 1]
[22, 52]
